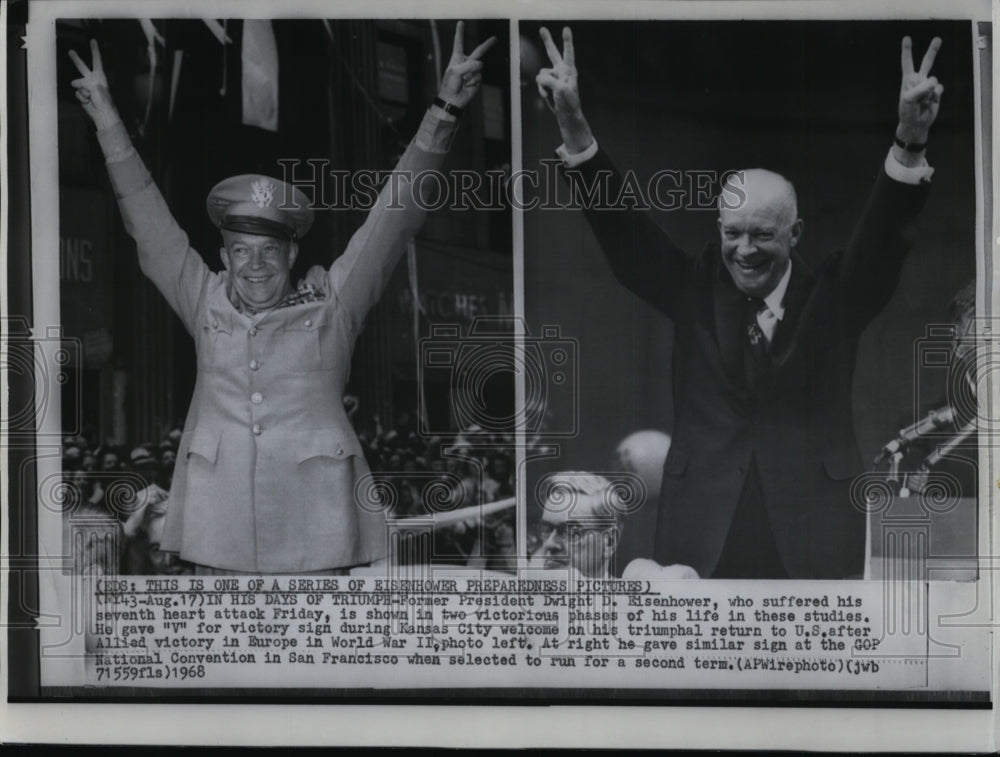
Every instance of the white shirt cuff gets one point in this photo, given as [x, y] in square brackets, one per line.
[572, 161]
[436, 131]
[905, 174]
[441, 113]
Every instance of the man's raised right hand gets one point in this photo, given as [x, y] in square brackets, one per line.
[559, 88]
[92, 89]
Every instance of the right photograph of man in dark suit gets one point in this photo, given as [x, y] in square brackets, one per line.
[765, 342]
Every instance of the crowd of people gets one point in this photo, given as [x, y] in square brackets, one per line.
[120, 494]
[124, 490]
[421, 475]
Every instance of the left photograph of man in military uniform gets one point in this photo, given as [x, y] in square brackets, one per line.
[250, 396]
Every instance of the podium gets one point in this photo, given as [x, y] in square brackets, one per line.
[918, 539]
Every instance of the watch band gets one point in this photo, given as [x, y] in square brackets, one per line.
[453, 110]
[910, 146]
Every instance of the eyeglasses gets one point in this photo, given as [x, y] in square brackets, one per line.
[575, 531]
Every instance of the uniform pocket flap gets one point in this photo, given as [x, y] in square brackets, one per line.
[326, 443]
[677, 463]
[218, 320]
[309, 321]
[205, 443]
[842, 464]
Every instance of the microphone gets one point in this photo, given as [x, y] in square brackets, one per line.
[944, 449]
[934, 420]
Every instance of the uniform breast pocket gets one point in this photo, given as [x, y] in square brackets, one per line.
[298, 345]
[218, 348]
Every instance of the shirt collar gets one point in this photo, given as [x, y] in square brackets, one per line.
[777, 295]
[305, 292]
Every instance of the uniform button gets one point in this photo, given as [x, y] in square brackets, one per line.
[308, 323]
[340, 451]
[254, 365]
[256, 398]
[215, 324]
[253, 331]
[256, 429]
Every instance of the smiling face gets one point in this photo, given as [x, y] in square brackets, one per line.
[260, 267]
[759, 234]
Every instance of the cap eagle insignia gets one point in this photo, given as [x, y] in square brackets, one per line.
[262, 193]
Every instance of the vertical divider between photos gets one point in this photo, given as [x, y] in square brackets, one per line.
[45, 317]
[983, 84]
[517, 240]
[987, 166]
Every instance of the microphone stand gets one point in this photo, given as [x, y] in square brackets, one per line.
[893, 452]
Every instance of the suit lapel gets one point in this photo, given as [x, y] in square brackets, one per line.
[800, 284]
[728, 310]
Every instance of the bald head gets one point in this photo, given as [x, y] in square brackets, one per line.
[757, 188]
[759, 226]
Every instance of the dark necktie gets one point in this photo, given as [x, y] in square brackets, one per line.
[758, 359]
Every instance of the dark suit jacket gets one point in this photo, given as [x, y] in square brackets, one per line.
[796, 421]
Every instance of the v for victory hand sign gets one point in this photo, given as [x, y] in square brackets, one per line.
[919, 94]
[558, 83]
[559, 88]
[92, 89]
[463, 76]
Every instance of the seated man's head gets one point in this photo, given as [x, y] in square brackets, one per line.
[581, 523]
[643, 453]
[759, 226]
[261, 220]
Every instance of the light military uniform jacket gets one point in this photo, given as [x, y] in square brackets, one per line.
[268, 464]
